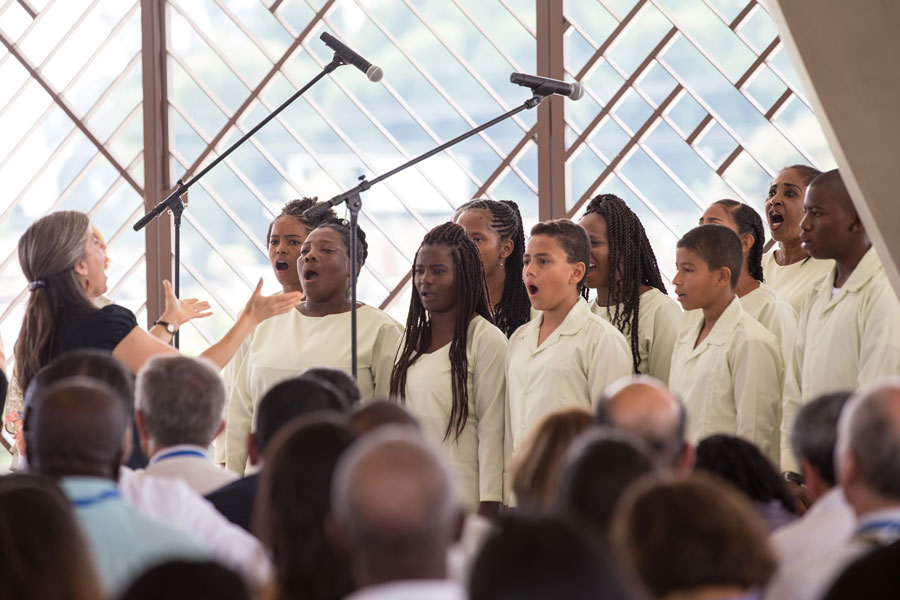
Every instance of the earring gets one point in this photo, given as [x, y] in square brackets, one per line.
[501, 262]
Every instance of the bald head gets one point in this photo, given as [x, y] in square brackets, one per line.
[869, 443]
[393, 498]
[76, 427]
[643, 407]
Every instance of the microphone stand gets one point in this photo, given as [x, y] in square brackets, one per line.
[354, 203]
[176, 205]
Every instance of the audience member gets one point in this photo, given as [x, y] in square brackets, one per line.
[75, 431]
[396, 513]
[341, 380]
[829, 521]
[285, 401]
[868, 471]
[188, 580]
[598, 468]
[741, 464]
[875, 576]
[644, 407]
[170, 501]
[180, 401]
[849, 323]
[693, 538]
[376, 414]
[534, 558]
[536, 470]
[42, 551]
[293, 509]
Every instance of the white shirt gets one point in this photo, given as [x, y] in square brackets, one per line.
[476, 456]
[775, 314]
[173, 502]
[191, 465]
[425, 589]
[731, 382]
[286, 345]
[570, 368]
[659, 320]
[794, 281]
[843, 342]
[828, 524]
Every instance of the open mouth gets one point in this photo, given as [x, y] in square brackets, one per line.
[426, 296]
[310, 275]
[280, 265]
[776, 219]
[532, 289]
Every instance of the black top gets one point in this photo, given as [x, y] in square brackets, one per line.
[235, 500]
[100, 329]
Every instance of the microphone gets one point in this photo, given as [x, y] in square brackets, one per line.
[544, 85]
[350, 57]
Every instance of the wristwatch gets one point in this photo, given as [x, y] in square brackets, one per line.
[169, 327]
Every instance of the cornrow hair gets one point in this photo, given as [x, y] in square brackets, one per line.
[295, 208]
[342, 226]
[748, 221]
[632, 264]
[471, 300]
[514, 308]
[807, 172]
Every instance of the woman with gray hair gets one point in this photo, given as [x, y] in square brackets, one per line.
[64, 263]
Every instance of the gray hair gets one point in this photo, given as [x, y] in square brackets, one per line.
[181, 398]
[869, 430]
[814, 435]
[422, 513]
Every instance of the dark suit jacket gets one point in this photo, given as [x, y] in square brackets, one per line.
[236, 500]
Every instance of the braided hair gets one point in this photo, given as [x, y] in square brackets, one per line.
[471, 300]
[632, 264]
[514, 307]
[295, 208]
[748, 221]
[342, 226]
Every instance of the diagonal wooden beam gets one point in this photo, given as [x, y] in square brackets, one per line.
[61, 102]
[258, 89]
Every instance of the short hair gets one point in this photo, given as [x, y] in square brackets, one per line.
[292, 398]
[571, 237]
[88, 363]
[342, 226]
[44, 552]
[186, 580]
[814, 434]
[743, 465]
[535, 472]
[683, 534]
[873, 437]
[599, 466]
[717, 246]
[543, 557]
[297, 209]
[833, 183]
[340, 379]
[378, 413]
[181, 398]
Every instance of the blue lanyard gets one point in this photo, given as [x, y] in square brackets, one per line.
[101, 497]
[178, 453]
[879, 526]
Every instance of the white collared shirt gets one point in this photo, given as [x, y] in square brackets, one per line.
[190, 464]
[424, 589]
[828, 524]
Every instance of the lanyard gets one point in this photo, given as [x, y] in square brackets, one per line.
[92, 500]
[178, 453]
[891, 527]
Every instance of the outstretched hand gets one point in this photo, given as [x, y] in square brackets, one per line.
[259, 307]
[180, 311]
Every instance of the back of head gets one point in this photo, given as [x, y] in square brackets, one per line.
[44, 554]
[341, 380]
[76, 427]
[869, 430]
[394, 500]
[744, 466]
[293, 505]
[643, 407]
[181, 399]
[541, 557]
[89, 363]
[599, 466]
[536, 468]
[571, 238]
[814, 434]
[680, 535]
[293, 398]
[717, 246]
[376, 414]
[48, 252]
[188, 580]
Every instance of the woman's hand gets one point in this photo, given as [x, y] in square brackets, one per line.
[178, 312]
[259, 307]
